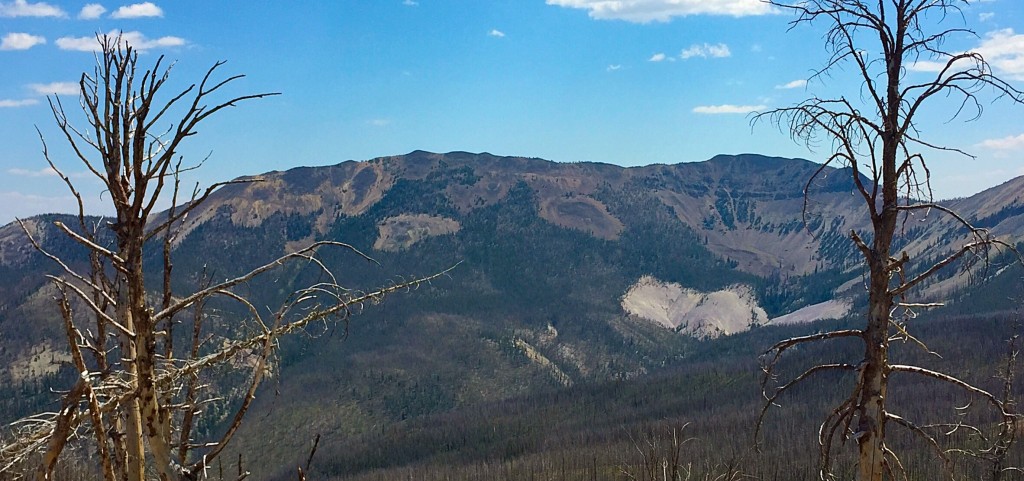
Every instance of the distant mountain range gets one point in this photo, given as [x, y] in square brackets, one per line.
[567, 272]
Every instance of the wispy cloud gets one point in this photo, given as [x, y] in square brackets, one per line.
[706, 50]
[645, 11]
[21, 205]
[1011, 143]
[658, 57]
[44, 172]
[20, 41]
[22, 8]
[379, 122]
[796, 84]
[985, 16]
[91, 11]
[59, 88]
[728, 109]
[26, 205]
[7, 103]
[137, 40]
[47, 172]
[410, 3]
[612, 68]
[496, 33]
[138, 10]
[964, 182]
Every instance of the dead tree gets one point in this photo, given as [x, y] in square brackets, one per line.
[874, 134]
[138, 397]
[659, 458]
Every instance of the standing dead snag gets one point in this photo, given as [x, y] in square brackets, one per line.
[138, 396]
[874, 134]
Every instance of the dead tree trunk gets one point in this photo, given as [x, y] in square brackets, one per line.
[876, 138]
[138, 398]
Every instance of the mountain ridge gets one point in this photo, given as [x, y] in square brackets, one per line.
[566, 191]
[549, 252]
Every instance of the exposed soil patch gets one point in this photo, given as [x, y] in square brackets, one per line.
[400, 232]
[346, 189]
[582, 213]
[41, 360]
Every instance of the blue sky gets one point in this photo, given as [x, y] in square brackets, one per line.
[628, 82]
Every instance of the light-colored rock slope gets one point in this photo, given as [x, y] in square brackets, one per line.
[699, 314]
[831, 309]
[713, 314]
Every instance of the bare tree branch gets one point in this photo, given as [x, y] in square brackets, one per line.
[137, 401]
[880, 41]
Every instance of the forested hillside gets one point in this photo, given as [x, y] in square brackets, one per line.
[525, 360]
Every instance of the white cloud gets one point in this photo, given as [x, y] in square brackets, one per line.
[927, 66]
[410, 3]
[986, 16]
[20, 41]
[706, 50]
[1013, 142]
[796, 84]
[44, 172]
[728, 109]
[7, 103]
[612, 68]
[137, 40]
[379, 122]
[644, 11]
[84, 44]
[91, 11]
[496, 33]
[658, 57]
[21, 8]
[138, 10]
[59, 88]
[1002, 49]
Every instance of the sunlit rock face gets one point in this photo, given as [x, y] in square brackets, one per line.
[691, 312]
